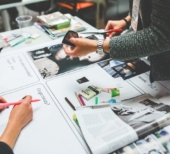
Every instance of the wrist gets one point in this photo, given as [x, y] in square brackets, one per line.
[106, 46]
[126, 21]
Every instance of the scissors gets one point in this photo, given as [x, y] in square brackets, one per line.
[105, 33]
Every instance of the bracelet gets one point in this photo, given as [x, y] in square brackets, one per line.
[127, 23]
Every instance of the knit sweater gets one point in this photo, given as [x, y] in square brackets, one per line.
[152, 38]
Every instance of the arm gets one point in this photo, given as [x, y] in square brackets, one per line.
[149, 41]
[20, 116]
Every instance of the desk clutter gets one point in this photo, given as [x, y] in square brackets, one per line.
[93, 102]
[16, 38]
[57, 24]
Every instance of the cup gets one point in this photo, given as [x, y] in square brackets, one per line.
[25, 22]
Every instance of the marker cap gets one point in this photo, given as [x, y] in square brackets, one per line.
[114, 93]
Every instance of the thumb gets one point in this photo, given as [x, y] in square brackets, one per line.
[73, 40]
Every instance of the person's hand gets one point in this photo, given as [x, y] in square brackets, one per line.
[19, 117]
[83, 47]
[2, 100]
[115, 24]
[21, 114]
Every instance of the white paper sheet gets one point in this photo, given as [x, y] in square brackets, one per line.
[48, 132]
[15, 72]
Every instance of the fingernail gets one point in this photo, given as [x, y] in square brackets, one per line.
[24, 97]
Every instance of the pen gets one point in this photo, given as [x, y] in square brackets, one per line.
[81, 99]
[71, 105]
[39, 27]
[16, 103]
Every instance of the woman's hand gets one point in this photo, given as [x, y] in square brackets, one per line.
[115, 24]
[21, 114]
[83, 47]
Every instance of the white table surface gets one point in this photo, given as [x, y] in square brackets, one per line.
[44, 38]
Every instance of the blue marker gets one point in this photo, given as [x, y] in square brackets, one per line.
[110, 101]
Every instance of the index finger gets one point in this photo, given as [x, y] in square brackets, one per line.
[108, 26]
[27, 99]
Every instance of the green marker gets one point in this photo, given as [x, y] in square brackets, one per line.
[96, 100]
[114, 93]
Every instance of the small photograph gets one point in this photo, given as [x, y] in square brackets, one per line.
[156, 106]
[129, 149]
[53, 60]
[70, 34]
[126, 69]
[148, 145]
[106, 66]
[163, 137]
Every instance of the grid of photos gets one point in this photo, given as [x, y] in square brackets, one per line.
[53, 60]
[156, 143]
[126, 69]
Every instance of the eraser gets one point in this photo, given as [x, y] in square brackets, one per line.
[90, 92]
[35, 35]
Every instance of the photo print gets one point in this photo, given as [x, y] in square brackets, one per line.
[53, 60]
[125, 69]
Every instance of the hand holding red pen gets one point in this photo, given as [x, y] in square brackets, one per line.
[114, 25]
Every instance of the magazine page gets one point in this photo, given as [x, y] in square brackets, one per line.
[144, 114]
[103, 131]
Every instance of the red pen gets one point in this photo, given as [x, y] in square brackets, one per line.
[119, 30]
[15, 103]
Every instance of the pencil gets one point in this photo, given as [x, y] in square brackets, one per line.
[16, 103]
[71, 105]
[78, 99]
[1, 49]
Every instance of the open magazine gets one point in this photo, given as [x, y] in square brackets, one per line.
[107, 128]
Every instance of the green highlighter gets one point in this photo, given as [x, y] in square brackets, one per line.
[75, 119]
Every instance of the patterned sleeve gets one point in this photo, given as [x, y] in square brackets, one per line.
[152, 40]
